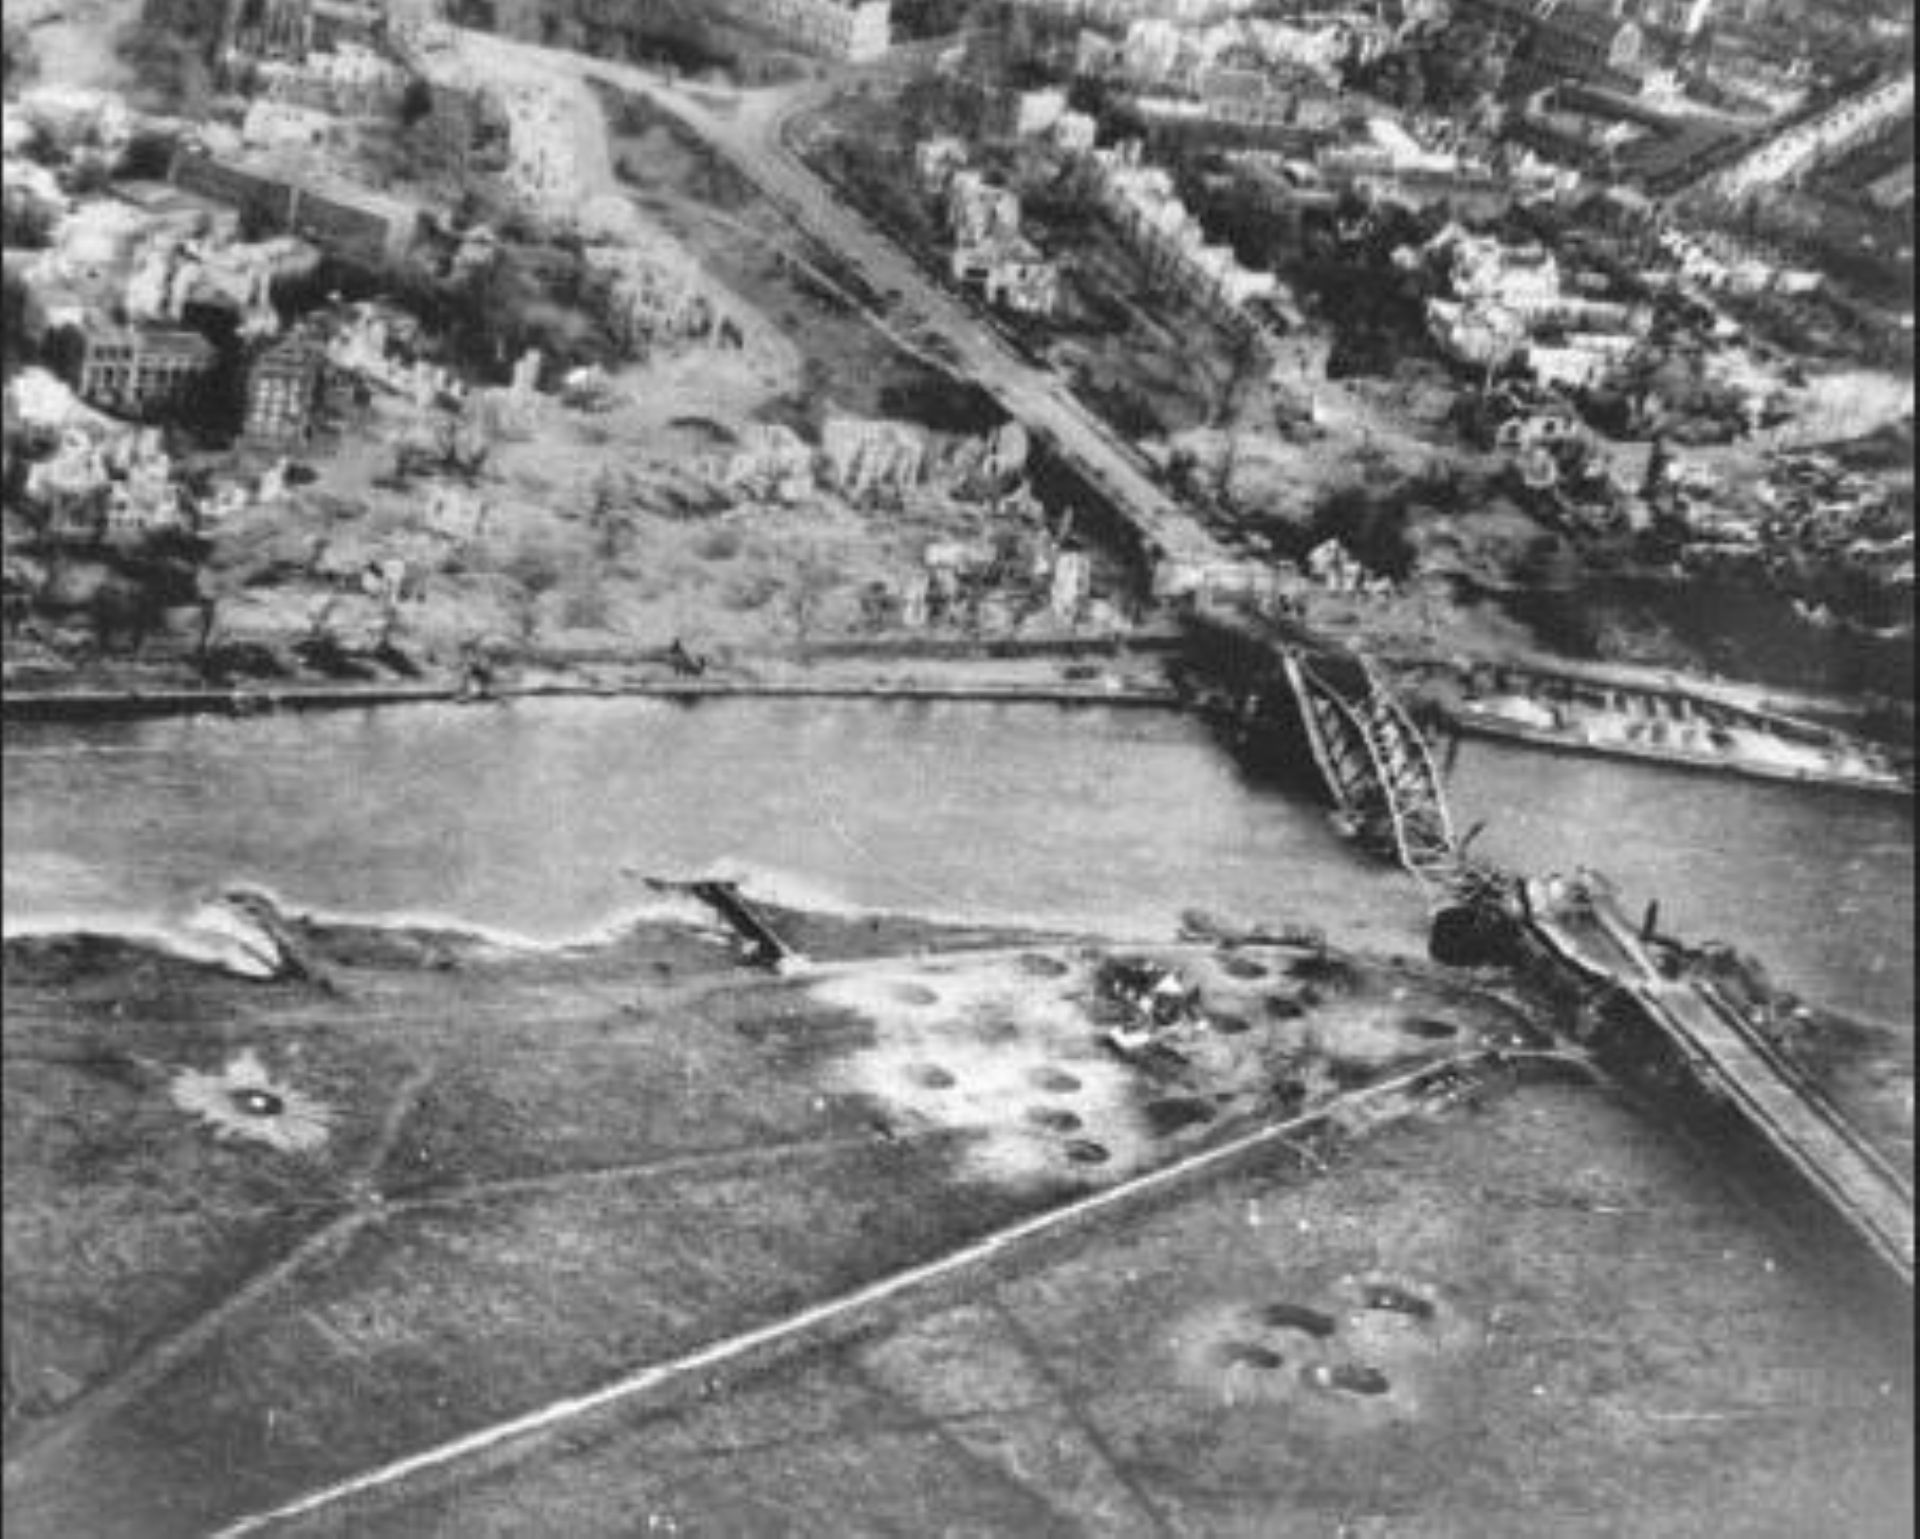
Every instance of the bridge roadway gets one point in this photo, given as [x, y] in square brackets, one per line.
[1866, 1187]
[748, 128]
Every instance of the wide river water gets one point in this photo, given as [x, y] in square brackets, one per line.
[542, 817]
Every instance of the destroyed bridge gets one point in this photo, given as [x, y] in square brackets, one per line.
[1379, 771]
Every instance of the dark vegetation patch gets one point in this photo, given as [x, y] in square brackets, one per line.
[1174, 1114]
[1325, 969]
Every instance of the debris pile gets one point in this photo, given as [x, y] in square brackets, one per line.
[773, 463]
[1155, 1005]
[378, 344]
[1812, 528]
[115, 485]
[865, 459]
[655, 294]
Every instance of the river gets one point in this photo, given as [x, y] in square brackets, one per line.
[542, 817]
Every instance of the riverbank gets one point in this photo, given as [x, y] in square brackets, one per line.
[426, 1183]
[1121, 670]
[89, 706]
[1136, 667]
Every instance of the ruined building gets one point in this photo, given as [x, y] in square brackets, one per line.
[866, 457]
[140, 372]
[291, 29]
[118, 486]
[657, 295]
[169, 275]
[990, 254]
[773, 462]
[350, 81]
[283, 390]
[1142, 202]
[1071, 587]
[349, 221]
[1580, 40]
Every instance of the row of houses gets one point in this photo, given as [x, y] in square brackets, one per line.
[350, 81]
[1141, 200]
[857, 31]
[294, 29]
[1244, 56]
[1138, 197]
[1716, 262]
[1506, 302]
[1123, 13]
[1310, 124]
[1788, 157]
[1279, 123]
[353, 222]
[1386, 161]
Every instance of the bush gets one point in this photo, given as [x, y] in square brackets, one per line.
[170, 66]
[1373, 529]
[148, 156]
[22, 64]
[88, 178]
[416, 101]
[28, 225]
[241, 660]
[584, 607]
[753, 593]
[535, 566]
[16, 353]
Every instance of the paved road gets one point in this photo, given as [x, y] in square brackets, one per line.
[1853, 1177]
[748, 129]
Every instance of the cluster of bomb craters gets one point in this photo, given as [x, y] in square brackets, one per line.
[1369, 1349]
[1093, 1063]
